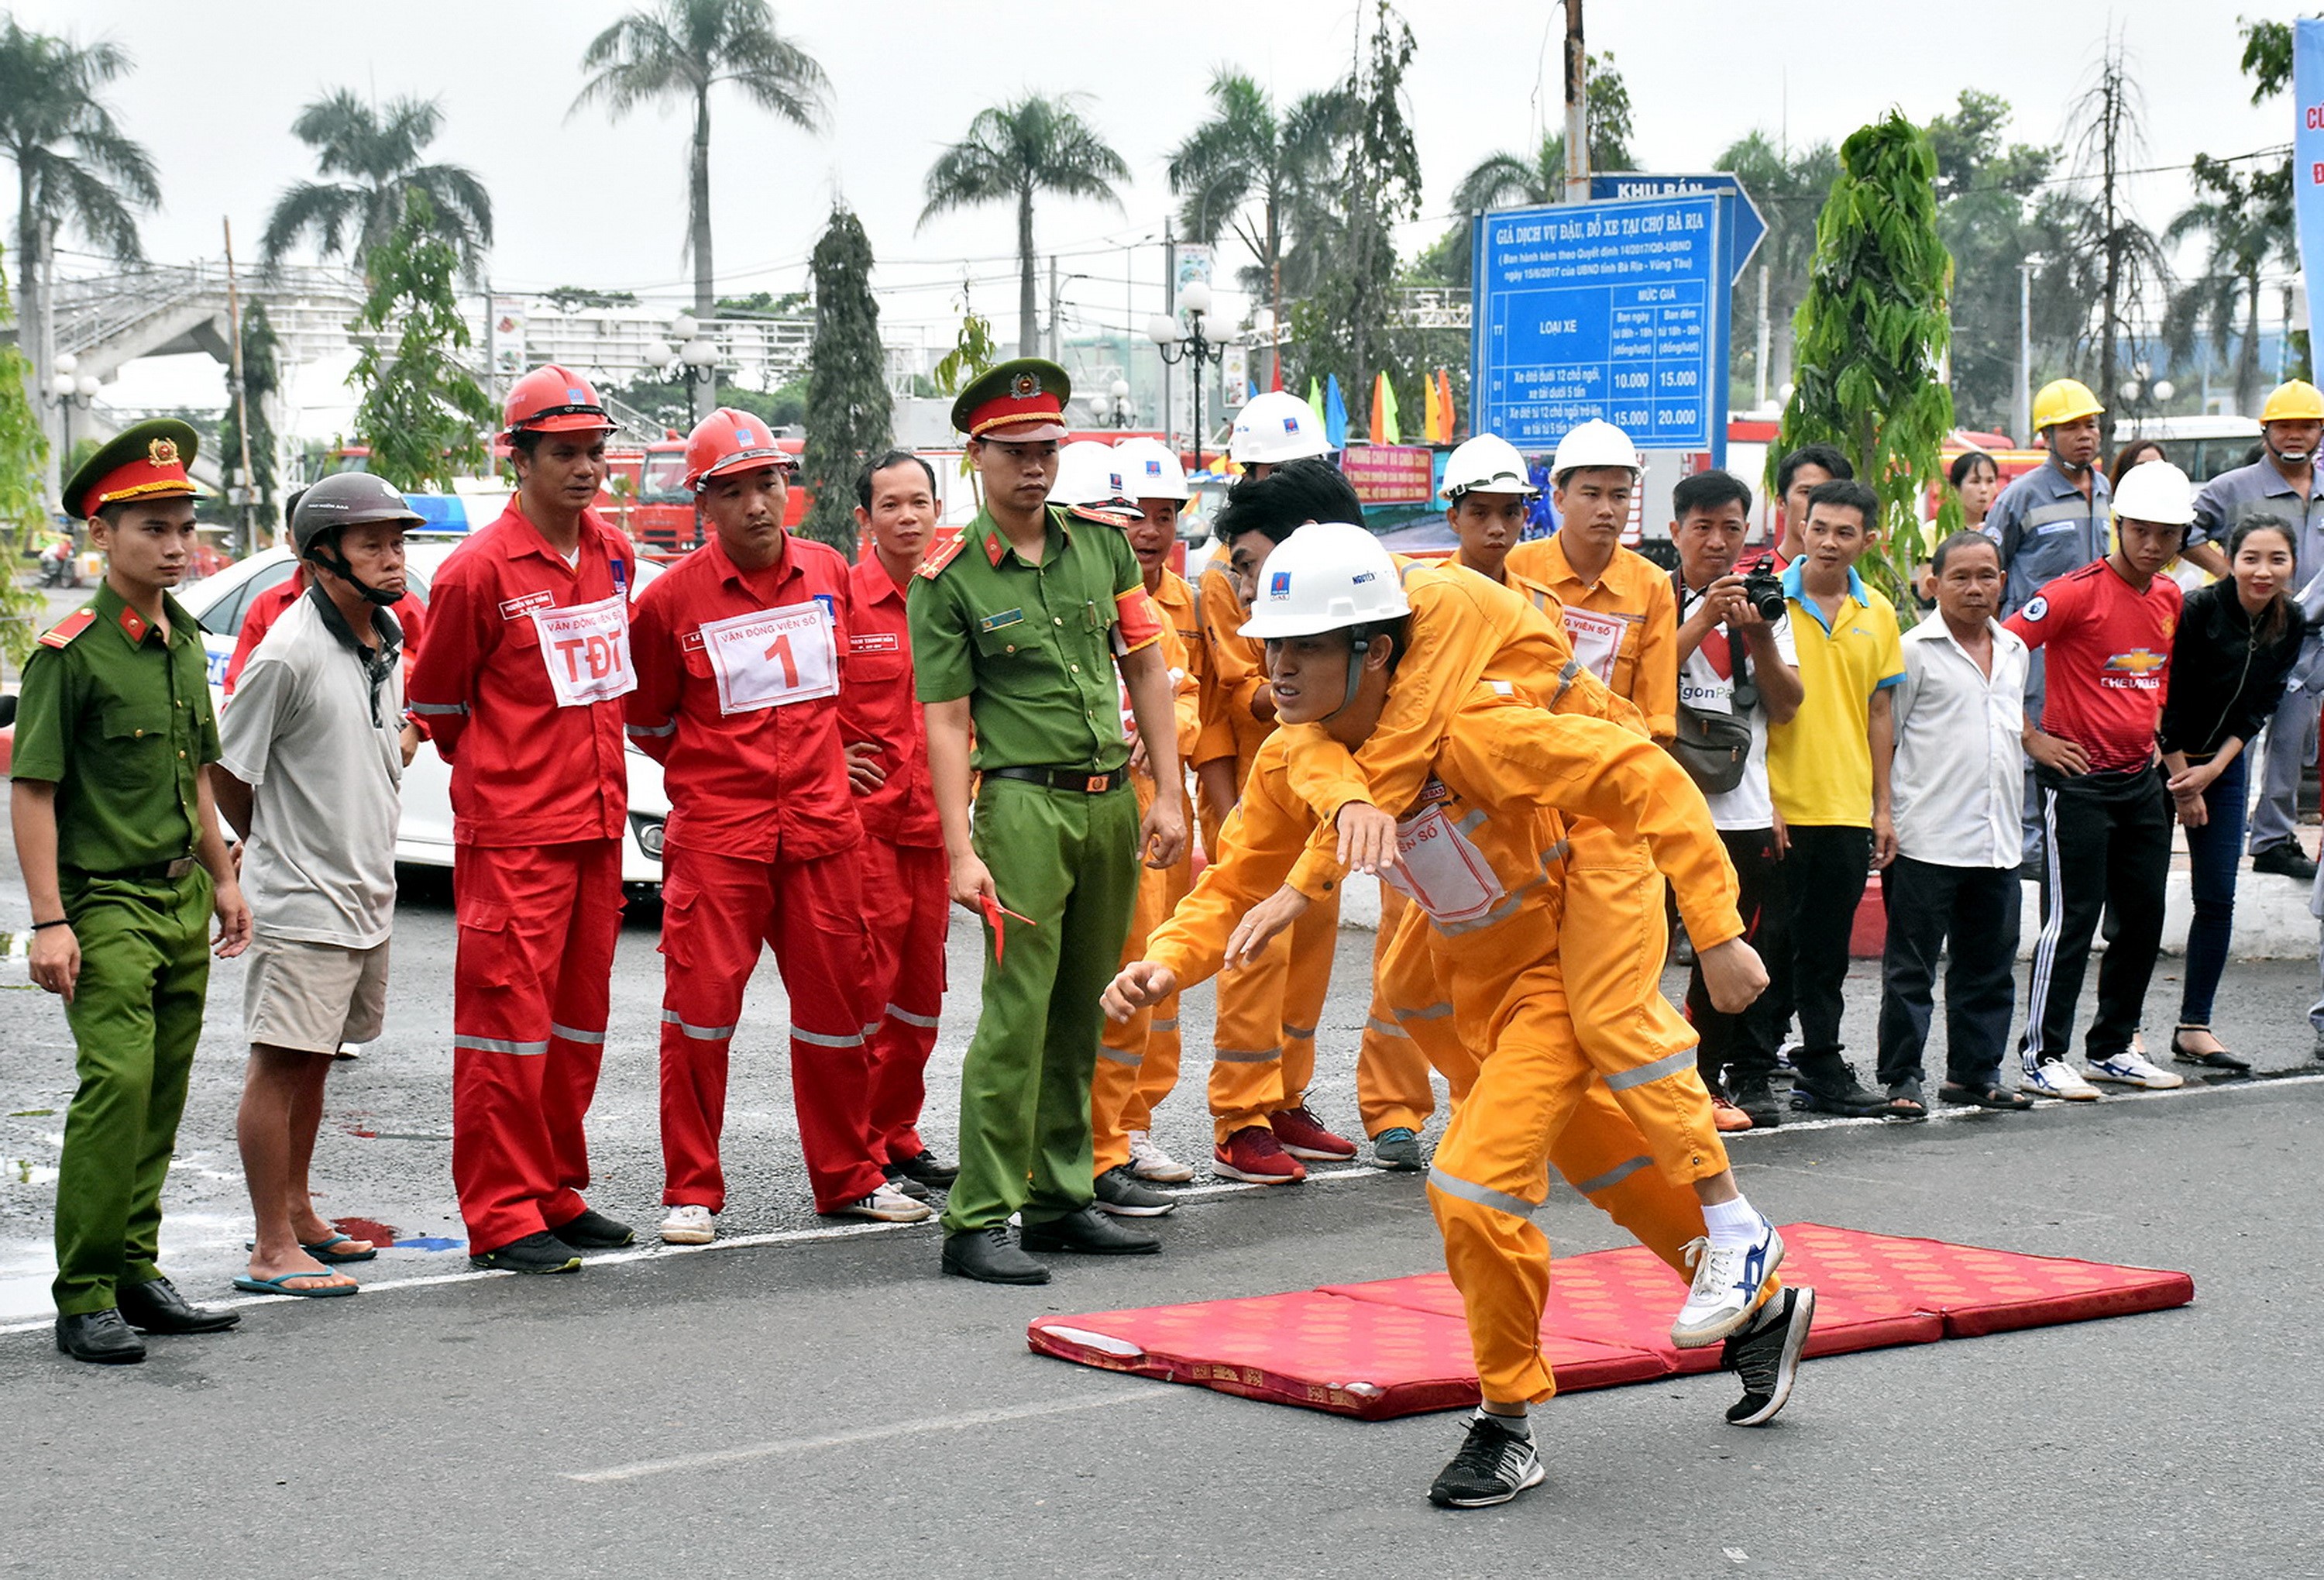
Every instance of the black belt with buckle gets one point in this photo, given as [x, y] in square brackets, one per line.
[151, 872]
[1064, 779]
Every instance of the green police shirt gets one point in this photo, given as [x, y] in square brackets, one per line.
[120, 721]
[1030, 646]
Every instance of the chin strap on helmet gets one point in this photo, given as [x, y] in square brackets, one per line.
[336, 564]
[1358, 643]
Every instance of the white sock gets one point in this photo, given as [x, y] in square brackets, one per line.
[1733, 1222]
[1514, 1425]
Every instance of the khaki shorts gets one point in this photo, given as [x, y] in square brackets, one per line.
[313, 997]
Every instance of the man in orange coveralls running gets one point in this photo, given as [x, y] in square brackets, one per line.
[1479, 853]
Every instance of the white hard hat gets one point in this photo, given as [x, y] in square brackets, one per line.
[1149, 471]
[2157, 492]
[1487, 464]
[1089, 482]
[1275, 427]
[1593, 444]
[1325, 577]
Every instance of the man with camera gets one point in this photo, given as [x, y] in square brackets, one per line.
[1737, 672]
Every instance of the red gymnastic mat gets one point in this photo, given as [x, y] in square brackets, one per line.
[1399, 1346]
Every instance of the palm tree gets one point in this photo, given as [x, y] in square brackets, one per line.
[2249, 222]
[1790, 190]
[678, 50]
[1012, 152]
[380, 150]
[74, 165]
[1250, 155]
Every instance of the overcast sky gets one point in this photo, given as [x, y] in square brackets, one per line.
[579, 200]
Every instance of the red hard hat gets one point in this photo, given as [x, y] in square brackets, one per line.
[554, 399]
[728, 440]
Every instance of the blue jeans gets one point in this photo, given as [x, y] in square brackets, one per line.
[2213, 853]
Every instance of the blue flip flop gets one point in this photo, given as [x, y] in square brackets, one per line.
[280, 1286]
[321, 1251]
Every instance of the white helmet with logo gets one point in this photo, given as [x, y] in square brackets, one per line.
[1273, 428]
[2157, 492]
[1487, 464]
[1089, 482]
[1593, 444]
[1149, 471]
[1325, 577]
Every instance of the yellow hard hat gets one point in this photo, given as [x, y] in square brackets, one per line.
[2296, 401]
[2064, 400]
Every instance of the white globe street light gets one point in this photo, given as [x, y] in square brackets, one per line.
[698, 353]
[1162, 330]
[86, 386]
[67, 363]
[683, 328]
[64, 386]
[1120, 390]
[2164, 389]
[658, 354]
[1195, 297]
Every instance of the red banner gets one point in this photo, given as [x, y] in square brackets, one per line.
[1390, 474]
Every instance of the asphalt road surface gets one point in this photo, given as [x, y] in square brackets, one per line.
[811, 1400]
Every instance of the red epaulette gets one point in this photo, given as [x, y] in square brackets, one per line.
[62, 632]
[933, 566]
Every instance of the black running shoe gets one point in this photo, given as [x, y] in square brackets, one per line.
[1120, 1193]
[594, 1231]
[539, 1252]
[928, 1169]
[905, 1182]
[1752, 1094]
[1767, 1355]
[1493, 1466]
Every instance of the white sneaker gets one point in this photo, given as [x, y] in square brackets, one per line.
[2054, 1077]
[1151, 1163]
[886, 1205]
[689, 1225]
[1728, 1283]
[2131, 1068]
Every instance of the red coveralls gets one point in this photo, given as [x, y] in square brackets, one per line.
[519, 684]
[907, 889]
[738, 698]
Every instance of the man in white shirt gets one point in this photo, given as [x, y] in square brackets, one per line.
[1956, 787]
[310, 760]
[1721, 631]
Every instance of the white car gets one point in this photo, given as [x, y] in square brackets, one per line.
[424, 837]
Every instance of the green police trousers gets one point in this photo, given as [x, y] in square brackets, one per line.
[135, 1015]
[1070, 862]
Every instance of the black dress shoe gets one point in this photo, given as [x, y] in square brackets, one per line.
[594, 1231]
[100, 1336]
[1090, 1234]
[2285, 861]
[894, 1174]
[927, 1168]
[156, 1307]
[990, 1257]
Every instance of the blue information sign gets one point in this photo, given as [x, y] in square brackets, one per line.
[1616, 311]
[1741, 224]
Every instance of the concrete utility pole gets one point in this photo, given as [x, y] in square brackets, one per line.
[1759, 361]
[1169, 310]
[1053, 307]
[1577, 108]
[242, 541]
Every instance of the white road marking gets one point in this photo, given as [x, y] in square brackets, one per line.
[790, 1237]
[1132, 1394]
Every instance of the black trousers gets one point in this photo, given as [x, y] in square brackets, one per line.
[1825, 873]
[1976, 909]
[2108, 838]
[1732, 1048]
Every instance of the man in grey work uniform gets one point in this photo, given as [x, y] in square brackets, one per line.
[2049, 522]
[2281, 483]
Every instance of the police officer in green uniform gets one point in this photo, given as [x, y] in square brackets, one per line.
[1018, 630]
[122, 862]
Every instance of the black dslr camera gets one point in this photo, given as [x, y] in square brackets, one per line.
[1763, 589]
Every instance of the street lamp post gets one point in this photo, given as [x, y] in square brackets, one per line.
[1188, 346]
[2022, 414]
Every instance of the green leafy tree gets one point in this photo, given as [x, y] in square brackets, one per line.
[782, 407]
[1789, 185]
[1986, 189]
[675, 52]
[23, 449]
[422, 412]
[262, 351]
[379, 152]
[1872, 339]
[574, 298]
[1012, 153]
[1260, 171]
[1342, 325]
[848, 405]
[2246, 220]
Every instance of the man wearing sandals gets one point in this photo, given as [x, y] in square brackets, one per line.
[310, 760]
[1952, 884]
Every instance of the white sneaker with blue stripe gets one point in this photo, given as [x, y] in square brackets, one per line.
[2131, 1068]
[2054, 1077]
[1729, 1282]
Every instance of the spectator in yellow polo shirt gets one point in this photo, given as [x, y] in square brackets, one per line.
[1828, 771]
